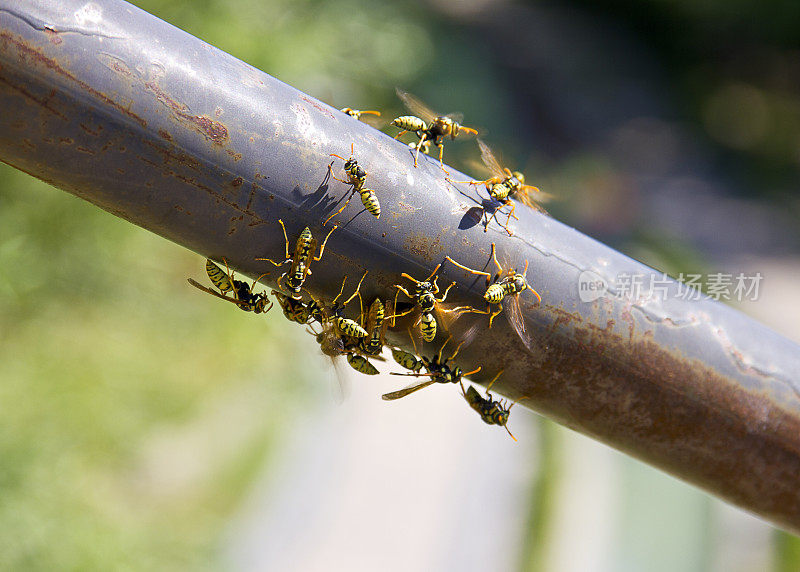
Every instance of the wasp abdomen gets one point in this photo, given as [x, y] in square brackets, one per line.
[361, 364]
[495, 293]
[428, 326]
[499, 191]
[409, 123]
[218, 277]
[350, 328]
[370, 201]
[407, 359]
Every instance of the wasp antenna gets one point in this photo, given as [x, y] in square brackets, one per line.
[432, 274]
[471, 372]
[510, 433]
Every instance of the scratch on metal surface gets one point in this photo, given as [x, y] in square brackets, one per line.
[39, 23]
[745, 364]
[214, 131]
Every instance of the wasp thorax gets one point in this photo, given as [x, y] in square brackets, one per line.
[519, 283]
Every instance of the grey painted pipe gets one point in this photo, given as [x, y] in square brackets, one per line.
[147, 122]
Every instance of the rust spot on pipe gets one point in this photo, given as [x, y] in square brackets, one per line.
[31, 56]
[668, 409]
[172, 155]
[237, 182]
[213, 130]
[90, 131]
[424, 246]
[317, 106]
[164, 134]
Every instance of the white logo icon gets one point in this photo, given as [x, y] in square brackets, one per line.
[591, 286]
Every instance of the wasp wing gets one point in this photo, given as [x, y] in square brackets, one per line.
[416, 107]
[407, 390]
[491, 162]
[516, 319]
[214, 293]
[340, 390]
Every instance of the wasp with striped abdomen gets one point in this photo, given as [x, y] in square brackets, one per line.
[426, 301]
[300, 259]
[507, 284]
[438, 370]
[505, 185]
[492, 412]
[243, 295]
[429, 126]
[357, 176]
[357, 113]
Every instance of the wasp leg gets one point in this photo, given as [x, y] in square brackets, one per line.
[441, 152]
[441, 349]
[286, 238]
[470, 270]
[494, 258]
[467, 182]
[344, 206]
[421, 141]
[358, 290]
[493, 314]
[403, 132]
[324, 242]
[395, 302]
[491, 383]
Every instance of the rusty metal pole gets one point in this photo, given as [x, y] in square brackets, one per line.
[149, 123]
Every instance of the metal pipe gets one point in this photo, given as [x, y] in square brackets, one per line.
[149, 123]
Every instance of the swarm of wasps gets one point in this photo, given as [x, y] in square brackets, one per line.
[362, 338]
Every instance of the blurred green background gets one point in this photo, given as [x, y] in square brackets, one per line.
[655, 124]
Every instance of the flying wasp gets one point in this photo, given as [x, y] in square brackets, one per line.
[437, 369]
[505, 185]
[356, 176]
[357, 113]
[507, 284]
[425, 298]
[428, 125]
[492, 412]
[300, 259]
[243, 295]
